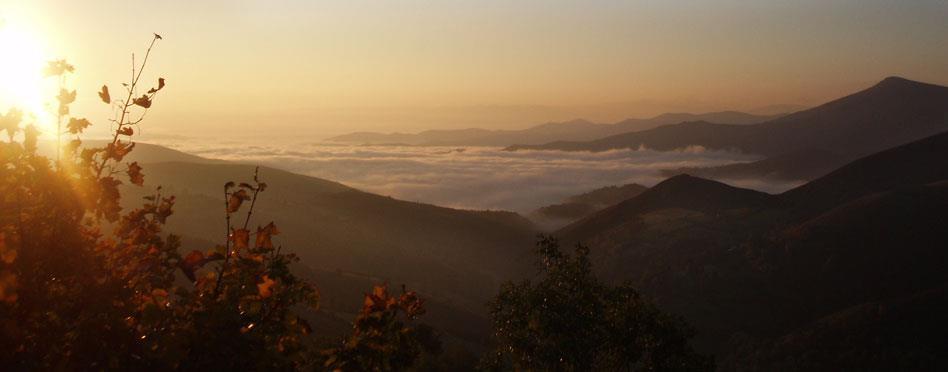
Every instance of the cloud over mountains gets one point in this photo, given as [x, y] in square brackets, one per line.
[472, 177]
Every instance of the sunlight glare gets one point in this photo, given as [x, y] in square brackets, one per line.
[21, 73]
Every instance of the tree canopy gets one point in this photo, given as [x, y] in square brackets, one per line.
[568, 320]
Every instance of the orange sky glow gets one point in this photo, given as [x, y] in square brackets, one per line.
[326, 67]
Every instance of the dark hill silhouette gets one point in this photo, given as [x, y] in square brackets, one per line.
[574, 130]
[916, 163]
[679, 192]
[582, 205]
[724, 117]
[893, 112]
[893, 335]
[786, 108]
[749, 268]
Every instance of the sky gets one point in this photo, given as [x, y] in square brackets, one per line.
[319, 68]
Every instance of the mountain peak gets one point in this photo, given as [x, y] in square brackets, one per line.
[898, 82]
[683, 182]
[895, 79]
[704, 194]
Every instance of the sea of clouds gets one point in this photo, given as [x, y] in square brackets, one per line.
[471, 177]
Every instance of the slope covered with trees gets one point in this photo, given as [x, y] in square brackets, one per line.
[751, 269]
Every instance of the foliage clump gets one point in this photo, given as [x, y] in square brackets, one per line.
[568, 320]
[382, 339]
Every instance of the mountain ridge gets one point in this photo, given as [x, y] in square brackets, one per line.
[546, 132]
[892, 112]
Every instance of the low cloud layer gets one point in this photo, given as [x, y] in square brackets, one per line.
[472, 177]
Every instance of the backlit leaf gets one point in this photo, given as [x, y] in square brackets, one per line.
[265, 234]
[135, 175]
[235, 199]
[104, 94]
[241, 239]
[11, 121]
[142, 101]
[57, 68]
[76, 126]
[118, 150]
[265, 287]
[161, 84]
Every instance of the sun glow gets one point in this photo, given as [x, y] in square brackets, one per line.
[21, 74]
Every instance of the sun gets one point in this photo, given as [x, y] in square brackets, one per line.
[21, 73]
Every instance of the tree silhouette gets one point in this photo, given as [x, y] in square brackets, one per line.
[568, 320]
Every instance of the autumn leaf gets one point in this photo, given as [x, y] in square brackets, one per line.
[194, 258]
[164, 208]
[118, 150]
[135, 175]
[76, 126]
[193, 261]
[126, 131]
[236, 199]
[104, 94]
[108, 205]
[265, 234]
[11, 121]
[161, 84]
[157, 36]
[241, 239]
[378, 300]
[411, 303]
[265, 288]
[65, 97]
[380, 291]
[57, 68]
[142, 101]
[369, 302]
[88, 154]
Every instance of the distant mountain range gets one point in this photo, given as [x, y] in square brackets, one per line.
[802, 145]
[575, 130]
[794, 281]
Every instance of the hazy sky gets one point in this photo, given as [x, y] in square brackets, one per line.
[325, 67]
